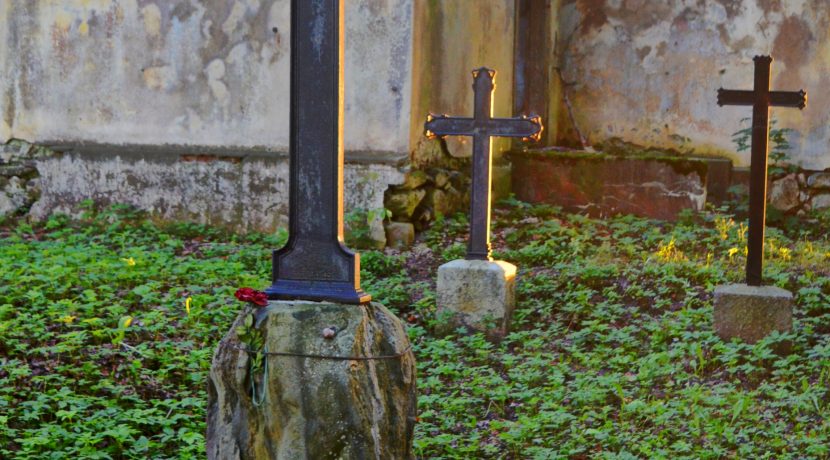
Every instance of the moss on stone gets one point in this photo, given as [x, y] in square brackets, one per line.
[615, 149]
[316, 408]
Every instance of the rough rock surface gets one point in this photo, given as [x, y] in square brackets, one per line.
[19, 181]
[821, 202]
[400, 234]
[315, 408]
[819, 180]
[403, 203]
[784, 193]
[750, 313]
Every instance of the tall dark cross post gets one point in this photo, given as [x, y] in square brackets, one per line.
[761, 99]
[315, 264]
[482, 127]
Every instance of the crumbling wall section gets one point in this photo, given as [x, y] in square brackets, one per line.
[799, 192]
[240, 191]
[648, 72]
[182, 108]
[19, 177]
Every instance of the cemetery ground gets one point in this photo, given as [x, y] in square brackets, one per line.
[108, 323]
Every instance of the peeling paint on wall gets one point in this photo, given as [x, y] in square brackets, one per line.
[648, 72]
[6, 90]
[202, 72]
[208, 188]
[452, 38]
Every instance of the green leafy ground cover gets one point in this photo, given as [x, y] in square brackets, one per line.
[612, 354]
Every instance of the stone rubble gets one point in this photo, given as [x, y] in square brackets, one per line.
[19, 177]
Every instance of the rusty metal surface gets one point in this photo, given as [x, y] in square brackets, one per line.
[481, 128]
[761, 99]
[532, 73]
[315, 264]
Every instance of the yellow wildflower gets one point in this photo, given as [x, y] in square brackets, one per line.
[732, 252]
[669, 252]
[187, 303]
[67, 319]
[130, 262]
[742, 230]
[723, 224]
[127, 320]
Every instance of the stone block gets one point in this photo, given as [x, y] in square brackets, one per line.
[819, 180]
[442, 178]
[784, 193]
[603, 184]
[477, 294]
[820, 202]
[400, 234]
[447, 201]
[402, 203]
[13, 197]
[315, 408]
[414, 179]
[750, 313]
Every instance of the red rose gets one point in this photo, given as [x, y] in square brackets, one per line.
[252, 295]
[260, 298]
[245, 294]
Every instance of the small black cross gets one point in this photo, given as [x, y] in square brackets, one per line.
[482, 127]
[315, 264]
[761, 99]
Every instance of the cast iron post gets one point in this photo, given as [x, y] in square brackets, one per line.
[761, 99]
[315, 264]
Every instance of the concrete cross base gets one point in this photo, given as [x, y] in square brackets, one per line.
[308, 407]
[750, 313]
[478, 294]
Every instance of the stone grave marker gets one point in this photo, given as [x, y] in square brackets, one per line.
[478, 289]
[317, 371]
[751, 311]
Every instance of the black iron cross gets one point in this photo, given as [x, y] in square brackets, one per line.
[761, 99]
[482, 127]
[315, 264]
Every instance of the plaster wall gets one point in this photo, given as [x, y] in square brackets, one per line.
[206, 188]
[648, 71]
[451, 38]
[191, 72]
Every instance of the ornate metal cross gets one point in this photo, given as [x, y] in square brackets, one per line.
[482, 127]
[761, 99]
[315, 264]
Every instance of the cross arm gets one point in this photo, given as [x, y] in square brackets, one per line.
[444, 125]
[797, 99]
[528, 128]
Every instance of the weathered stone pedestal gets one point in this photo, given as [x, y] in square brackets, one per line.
[750, 313]
[478, 294]
[315, 408]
